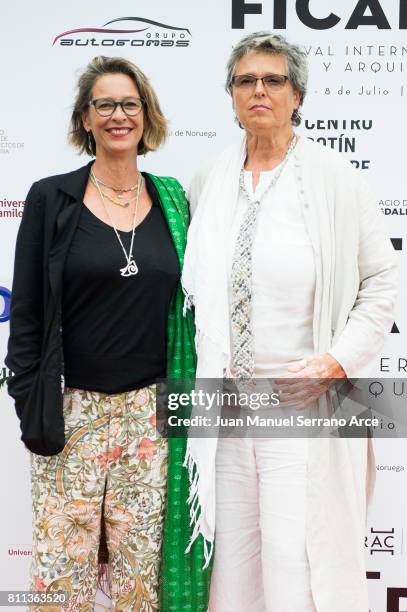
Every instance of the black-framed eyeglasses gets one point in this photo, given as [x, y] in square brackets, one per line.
[107, 106]
[247, 82]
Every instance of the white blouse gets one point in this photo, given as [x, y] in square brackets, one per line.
[283, 278]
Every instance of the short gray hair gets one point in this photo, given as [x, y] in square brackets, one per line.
[268, 42]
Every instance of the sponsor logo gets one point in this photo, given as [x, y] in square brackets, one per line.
[394, 207]
[395, 365]
[394, 329]
[382, 543]
[362, 13]
[397, 387]
[390, 468]
[7, 146]
[10, 208]
[389, 541]
[5, 300]
[142, 33]
[341, 135]
[19, 552]
[373, 575]
[397, 243]
[193, 133]
[396, 597]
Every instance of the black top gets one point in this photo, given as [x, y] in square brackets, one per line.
[114, 327]
[51, 215]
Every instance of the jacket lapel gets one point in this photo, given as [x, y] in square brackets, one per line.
[69, 202]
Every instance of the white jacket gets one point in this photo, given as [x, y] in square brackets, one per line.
[355, 293]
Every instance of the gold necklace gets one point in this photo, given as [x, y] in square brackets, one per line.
[111, 198]
[117, 189]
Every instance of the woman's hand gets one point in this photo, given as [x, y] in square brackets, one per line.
[308, 379]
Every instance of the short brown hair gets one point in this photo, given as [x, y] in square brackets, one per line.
[155, 124]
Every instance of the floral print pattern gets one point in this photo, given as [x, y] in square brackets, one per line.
[113, 468]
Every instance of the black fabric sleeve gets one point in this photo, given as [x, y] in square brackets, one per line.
[26, 314]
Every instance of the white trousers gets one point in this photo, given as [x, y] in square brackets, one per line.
[261, 563]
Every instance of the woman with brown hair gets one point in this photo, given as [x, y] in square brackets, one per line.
[97, 304]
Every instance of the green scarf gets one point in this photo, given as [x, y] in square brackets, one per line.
[184, 584]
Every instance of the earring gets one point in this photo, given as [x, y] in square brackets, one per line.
[296, 117]
[238, 123]
[90, 144]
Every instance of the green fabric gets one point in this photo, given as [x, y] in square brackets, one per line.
[184, 584]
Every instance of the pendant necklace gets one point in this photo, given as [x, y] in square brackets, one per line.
[131, 268]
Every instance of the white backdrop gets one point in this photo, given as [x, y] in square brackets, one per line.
[356, 104]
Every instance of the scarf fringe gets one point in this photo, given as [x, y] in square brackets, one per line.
[228, 372]
[188, 302]
[194, 510]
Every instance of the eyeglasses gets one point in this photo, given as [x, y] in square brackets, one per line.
[107, 106]
[247, 82]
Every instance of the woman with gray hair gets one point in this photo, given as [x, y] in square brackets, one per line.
[292, 278]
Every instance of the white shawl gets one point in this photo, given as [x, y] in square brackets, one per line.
[356, 287]
[205, 283]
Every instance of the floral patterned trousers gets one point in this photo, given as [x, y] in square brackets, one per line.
[113, 469]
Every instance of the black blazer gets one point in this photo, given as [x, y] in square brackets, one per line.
[51, 215]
